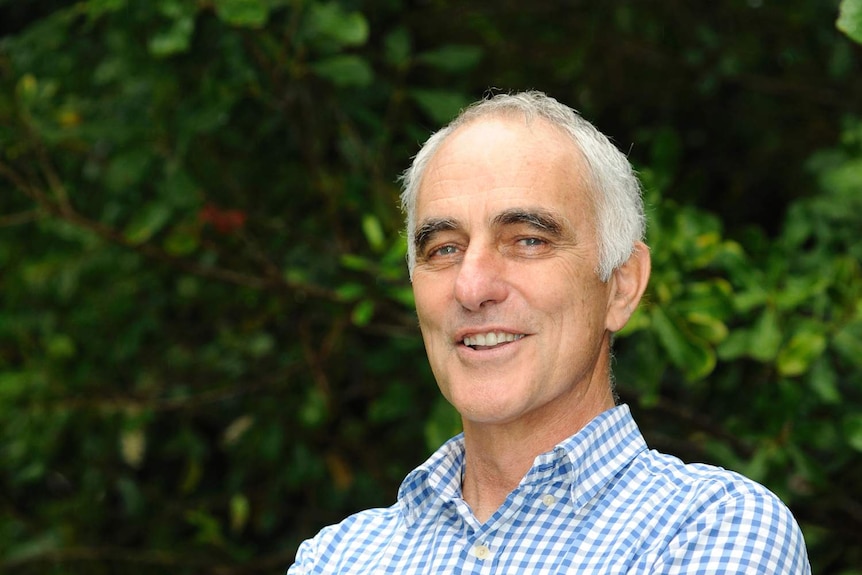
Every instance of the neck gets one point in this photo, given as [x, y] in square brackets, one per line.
[498, 456]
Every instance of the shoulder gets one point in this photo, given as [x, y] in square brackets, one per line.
[358, 536]
[699, 484]
[724, 522]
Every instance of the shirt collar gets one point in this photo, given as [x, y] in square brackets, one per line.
[588, 460]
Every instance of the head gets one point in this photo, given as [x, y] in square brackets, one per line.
[614, 188]
[520, 272]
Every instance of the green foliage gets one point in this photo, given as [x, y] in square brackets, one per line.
[208, 348]
[850, 19]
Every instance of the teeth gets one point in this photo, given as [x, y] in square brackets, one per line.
[491, 339]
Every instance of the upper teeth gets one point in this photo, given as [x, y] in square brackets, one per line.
[491, 338]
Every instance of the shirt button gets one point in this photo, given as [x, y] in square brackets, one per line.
[549, 500]
[482, 552]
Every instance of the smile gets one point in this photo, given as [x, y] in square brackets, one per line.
[490, 339]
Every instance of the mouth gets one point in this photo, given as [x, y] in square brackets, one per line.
[490, 339]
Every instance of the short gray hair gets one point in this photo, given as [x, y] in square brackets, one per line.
[620, 220]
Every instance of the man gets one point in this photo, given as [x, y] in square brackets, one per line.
[525, 228]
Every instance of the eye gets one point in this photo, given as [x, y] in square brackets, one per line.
[441, 255]
[532, 242]
[446, 250]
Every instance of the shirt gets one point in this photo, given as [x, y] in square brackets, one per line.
[600, 502]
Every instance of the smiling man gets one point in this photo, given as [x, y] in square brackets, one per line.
[525, 228]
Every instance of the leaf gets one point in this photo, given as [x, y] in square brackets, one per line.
[147, 223]
[853, 430]
[824, 381]
[802, 349]
[398, 400]
[330, 23]
[127, 169]
[240, 510]
[133, 446]
[98, 8]
[173, 40]
[350, 291]
[765, 337]
[689, 353]
[452, 57]
[707, 326]
[60, 346]
[243, 13]
[373, 232]
[848, 343]
[362, 312]
[346, 70]
[182, 240]
[440, 105]
[850, 19]
[397, 45]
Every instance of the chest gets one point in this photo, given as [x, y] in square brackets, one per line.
[535, 531]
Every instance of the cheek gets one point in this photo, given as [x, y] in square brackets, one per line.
[431, 309]
[572, 296]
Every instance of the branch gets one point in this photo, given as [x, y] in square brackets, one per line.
[19, 218]
[61, 208]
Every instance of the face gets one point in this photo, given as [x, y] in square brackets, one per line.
[514, 317]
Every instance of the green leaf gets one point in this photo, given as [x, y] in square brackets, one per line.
[313, 411]
[853, 430]
[244, 13]
[850, 19]
[824, 381]
[127, 170]
[440, 105]
[689, 353]
[357, 263]
[397, 45]
[174, 40]
[452, 57]
[709, 327]
[362, 312]
[765, 337]
[398, 400]
[147, 223]
[848, 342]
[330, 23]
[802, 349]
[373, 232]
[350, 291]
[60, 346]
[98, 8]
[182, 240]
[345, 70]
[240, 511]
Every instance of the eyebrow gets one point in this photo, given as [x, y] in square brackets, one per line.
[540, 220]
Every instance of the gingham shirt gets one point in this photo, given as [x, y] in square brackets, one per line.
[600, 502]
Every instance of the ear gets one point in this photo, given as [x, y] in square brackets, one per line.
[628, 284]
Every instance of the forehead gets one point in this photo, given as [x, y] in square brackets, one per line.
[504, 162]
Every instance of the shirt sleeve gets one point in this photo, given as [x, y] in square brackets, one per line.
[749, 533]
[305, 559]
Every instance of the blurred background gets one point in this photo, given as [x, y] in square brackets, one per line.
[208, 348]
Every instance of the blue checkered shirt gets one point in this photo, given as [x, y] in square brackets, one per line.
[600, 502]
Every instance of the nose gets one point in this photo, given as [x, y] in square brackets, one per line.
[481, 280]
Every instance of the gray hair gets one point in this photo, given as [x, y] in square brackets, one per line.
[614, 186]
